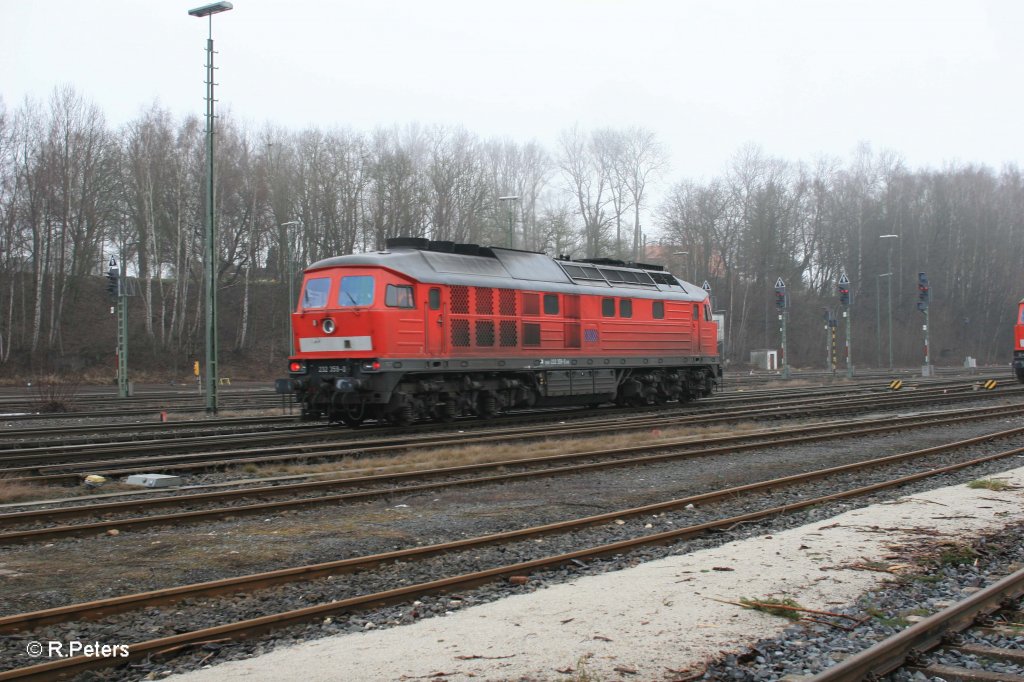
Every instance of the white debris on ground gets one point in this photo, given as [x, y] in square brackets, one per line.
[652, 620]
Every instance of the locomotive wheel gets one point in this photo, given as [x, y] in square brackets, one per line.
[488, 406]
[350, 421]
[403, 417]
[445, 412]
[348, 412]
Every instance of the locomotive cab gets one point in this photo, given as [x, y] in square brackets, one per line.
[346, 317]
[1018, 343]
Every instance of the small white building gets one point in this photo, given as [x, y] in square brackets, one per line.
[767, 358]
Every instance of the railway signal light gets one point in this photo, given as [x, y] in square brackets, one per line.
[923, 291]
[113, 278]
[844, 289]
[780, 294]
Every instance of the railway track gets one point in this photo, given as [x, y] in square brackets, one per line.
[92, 405]
[245, 501]
[154, 403]
[91, 433]
[67, 465]
[106, 433]
[909, 648]
[77, 616]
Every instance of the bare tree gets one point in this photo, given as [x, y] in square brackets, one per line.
[640, 157]
[587, 172]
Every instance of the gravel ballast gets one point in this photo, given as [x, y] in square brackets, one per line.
[234, 546]
[661, 620]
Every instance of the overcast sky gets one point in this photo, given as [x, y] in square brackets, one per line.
[933, 80]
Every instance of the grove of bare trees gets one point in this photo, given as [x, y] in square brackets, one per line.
[75, 191]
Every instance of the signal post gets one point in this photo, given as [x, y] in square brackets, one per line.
[923, 296]
[117, 290]
[844, 300]
[782, 303]
[830, 342]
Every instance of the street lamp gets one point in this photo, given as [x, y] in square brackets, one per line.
[290, 267]
[889, 290]
[878, 318]
[511, 217]
[210, 250]
[683, 253]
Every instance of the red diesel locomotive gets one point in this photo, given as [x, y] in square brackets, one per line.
[435, 330]
[1018, 343]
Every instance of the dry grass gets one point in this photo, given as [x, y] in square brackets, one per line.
[488, 453]
[799, 383]
[995, 484]
[13, 491]
[16, 491]
[769, 604]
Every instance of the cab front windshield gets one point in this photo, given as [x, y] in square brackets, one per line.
[1020, 317]
[355, 290]
[315, 293]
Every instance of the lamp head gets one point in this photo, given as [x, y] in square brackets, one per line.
[207, 10]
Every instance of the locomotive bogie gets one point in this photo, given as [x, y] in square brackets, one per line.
[399, 397]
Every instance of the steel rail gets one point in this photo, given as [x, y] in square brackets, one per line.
[12, 454]
[10, 438]
[147, 406]
[15, 454]
[873, 426]
[68, 472]
[255, 626]
[891, 653]
[176, 518]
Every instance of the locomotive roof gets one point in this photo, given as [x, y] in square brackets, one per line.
[513, 269]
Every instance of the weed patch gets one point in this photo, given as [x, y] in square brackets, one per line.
[887, 620]
[995, 484]
[771, 604]
[24, 492]
[482, 454]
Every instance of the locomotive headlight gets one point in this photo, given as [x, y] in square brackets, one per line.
[328, 326]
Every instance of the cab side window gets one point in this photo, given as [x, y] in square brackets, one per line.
[658, 310]
[434, 299]
[398, 297]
